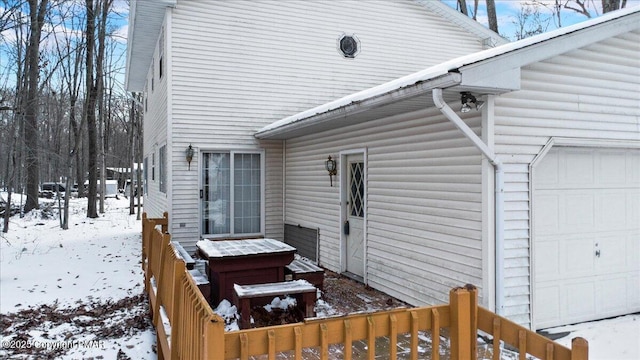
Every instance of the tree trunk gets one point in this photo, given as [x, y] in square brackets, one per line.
[463, 7]
[32, 73]
[10, 177]
[106, 4]
[610, 5]
[491, 13]
[90, 111]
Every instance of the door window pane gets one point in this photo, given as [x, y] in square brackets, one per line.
[356, 189]
[216, 194]
[231, 209]
[247, 193]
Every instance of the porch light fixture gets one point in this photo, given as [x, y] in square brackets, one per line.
[189, 155]
[467, 99]
[330, 165]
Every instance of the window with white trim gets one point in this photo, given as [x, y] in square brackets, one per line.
[145, 171]
[162, 171]
[232, 193]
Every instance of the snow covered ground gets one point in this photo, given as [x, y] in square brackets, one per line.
[57, 283]
[610, 339]
[47, 272]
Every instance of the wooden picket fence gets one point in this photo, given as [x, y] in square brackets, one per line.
[187, 327]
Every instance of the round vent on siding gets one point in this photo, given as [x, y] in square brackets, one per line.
[349, 46]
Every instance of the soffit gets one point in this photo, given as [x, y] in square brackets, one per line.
[145, 21]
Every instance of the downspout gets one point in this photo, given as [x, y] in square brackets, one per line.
[499, 191]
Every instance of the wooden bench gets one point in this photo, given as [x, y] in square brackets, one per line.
[243, 294]
[304, 270]
[202, 282]
[200, 279]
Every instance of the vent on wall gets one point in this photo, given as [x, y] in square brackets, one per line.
[304, 239]
[349, 46]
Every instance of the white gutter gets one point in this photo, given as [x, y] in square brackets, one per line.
[439, 102]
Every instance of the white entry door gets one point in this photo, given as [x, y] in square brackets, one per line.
[586, 211]
[353, 226]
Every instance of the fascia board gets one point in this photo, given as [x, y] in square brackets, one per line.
[490, 81]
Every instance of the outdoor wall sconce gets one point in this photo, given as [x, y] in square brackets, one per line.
[330, 165]
[189, 155]
[467, 99]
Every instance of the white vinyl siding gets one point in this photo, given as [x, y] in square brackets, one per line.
[155, 135]
[236, 66]
[424, 203]
[592, 94]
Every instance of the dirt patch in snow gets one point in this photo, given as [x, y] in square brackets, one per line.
[50, 331]
[346, 296]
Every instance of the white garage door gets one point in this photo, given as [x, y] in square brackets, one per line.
[586, 219]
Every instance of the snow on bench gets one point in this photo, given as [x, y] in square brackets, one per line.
[299, 269]
[184, 255]
[202, 282]
[244, 293]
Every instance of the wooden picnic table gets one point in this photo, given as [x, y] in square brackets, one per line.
[243, 262]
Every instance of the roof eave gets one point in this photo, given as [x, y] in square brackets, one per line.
[324, 116]
[464, 22]
[145, 22]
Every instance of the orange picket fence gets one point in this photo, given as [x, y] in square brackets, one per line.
[187, 327]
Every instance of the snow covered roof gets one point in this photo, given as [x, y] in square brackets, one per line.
[491, 71]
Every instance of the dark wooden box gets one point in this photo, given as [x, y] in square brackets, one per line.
[244, 267]
[304, 270]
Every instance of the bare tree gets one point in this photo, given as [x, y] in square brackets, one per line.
[8, 16]
[32, 74]
[62, 136]
[10, 140]
[530, 21]
[13, 138]
[612, 5]
[588, 7]
[90, 110]
[491, 13]
[71, 49]
[462, 4]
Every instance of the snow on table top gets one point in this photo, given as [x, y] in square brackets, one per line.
[271, 289]
[303, 267]
[228, 248]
